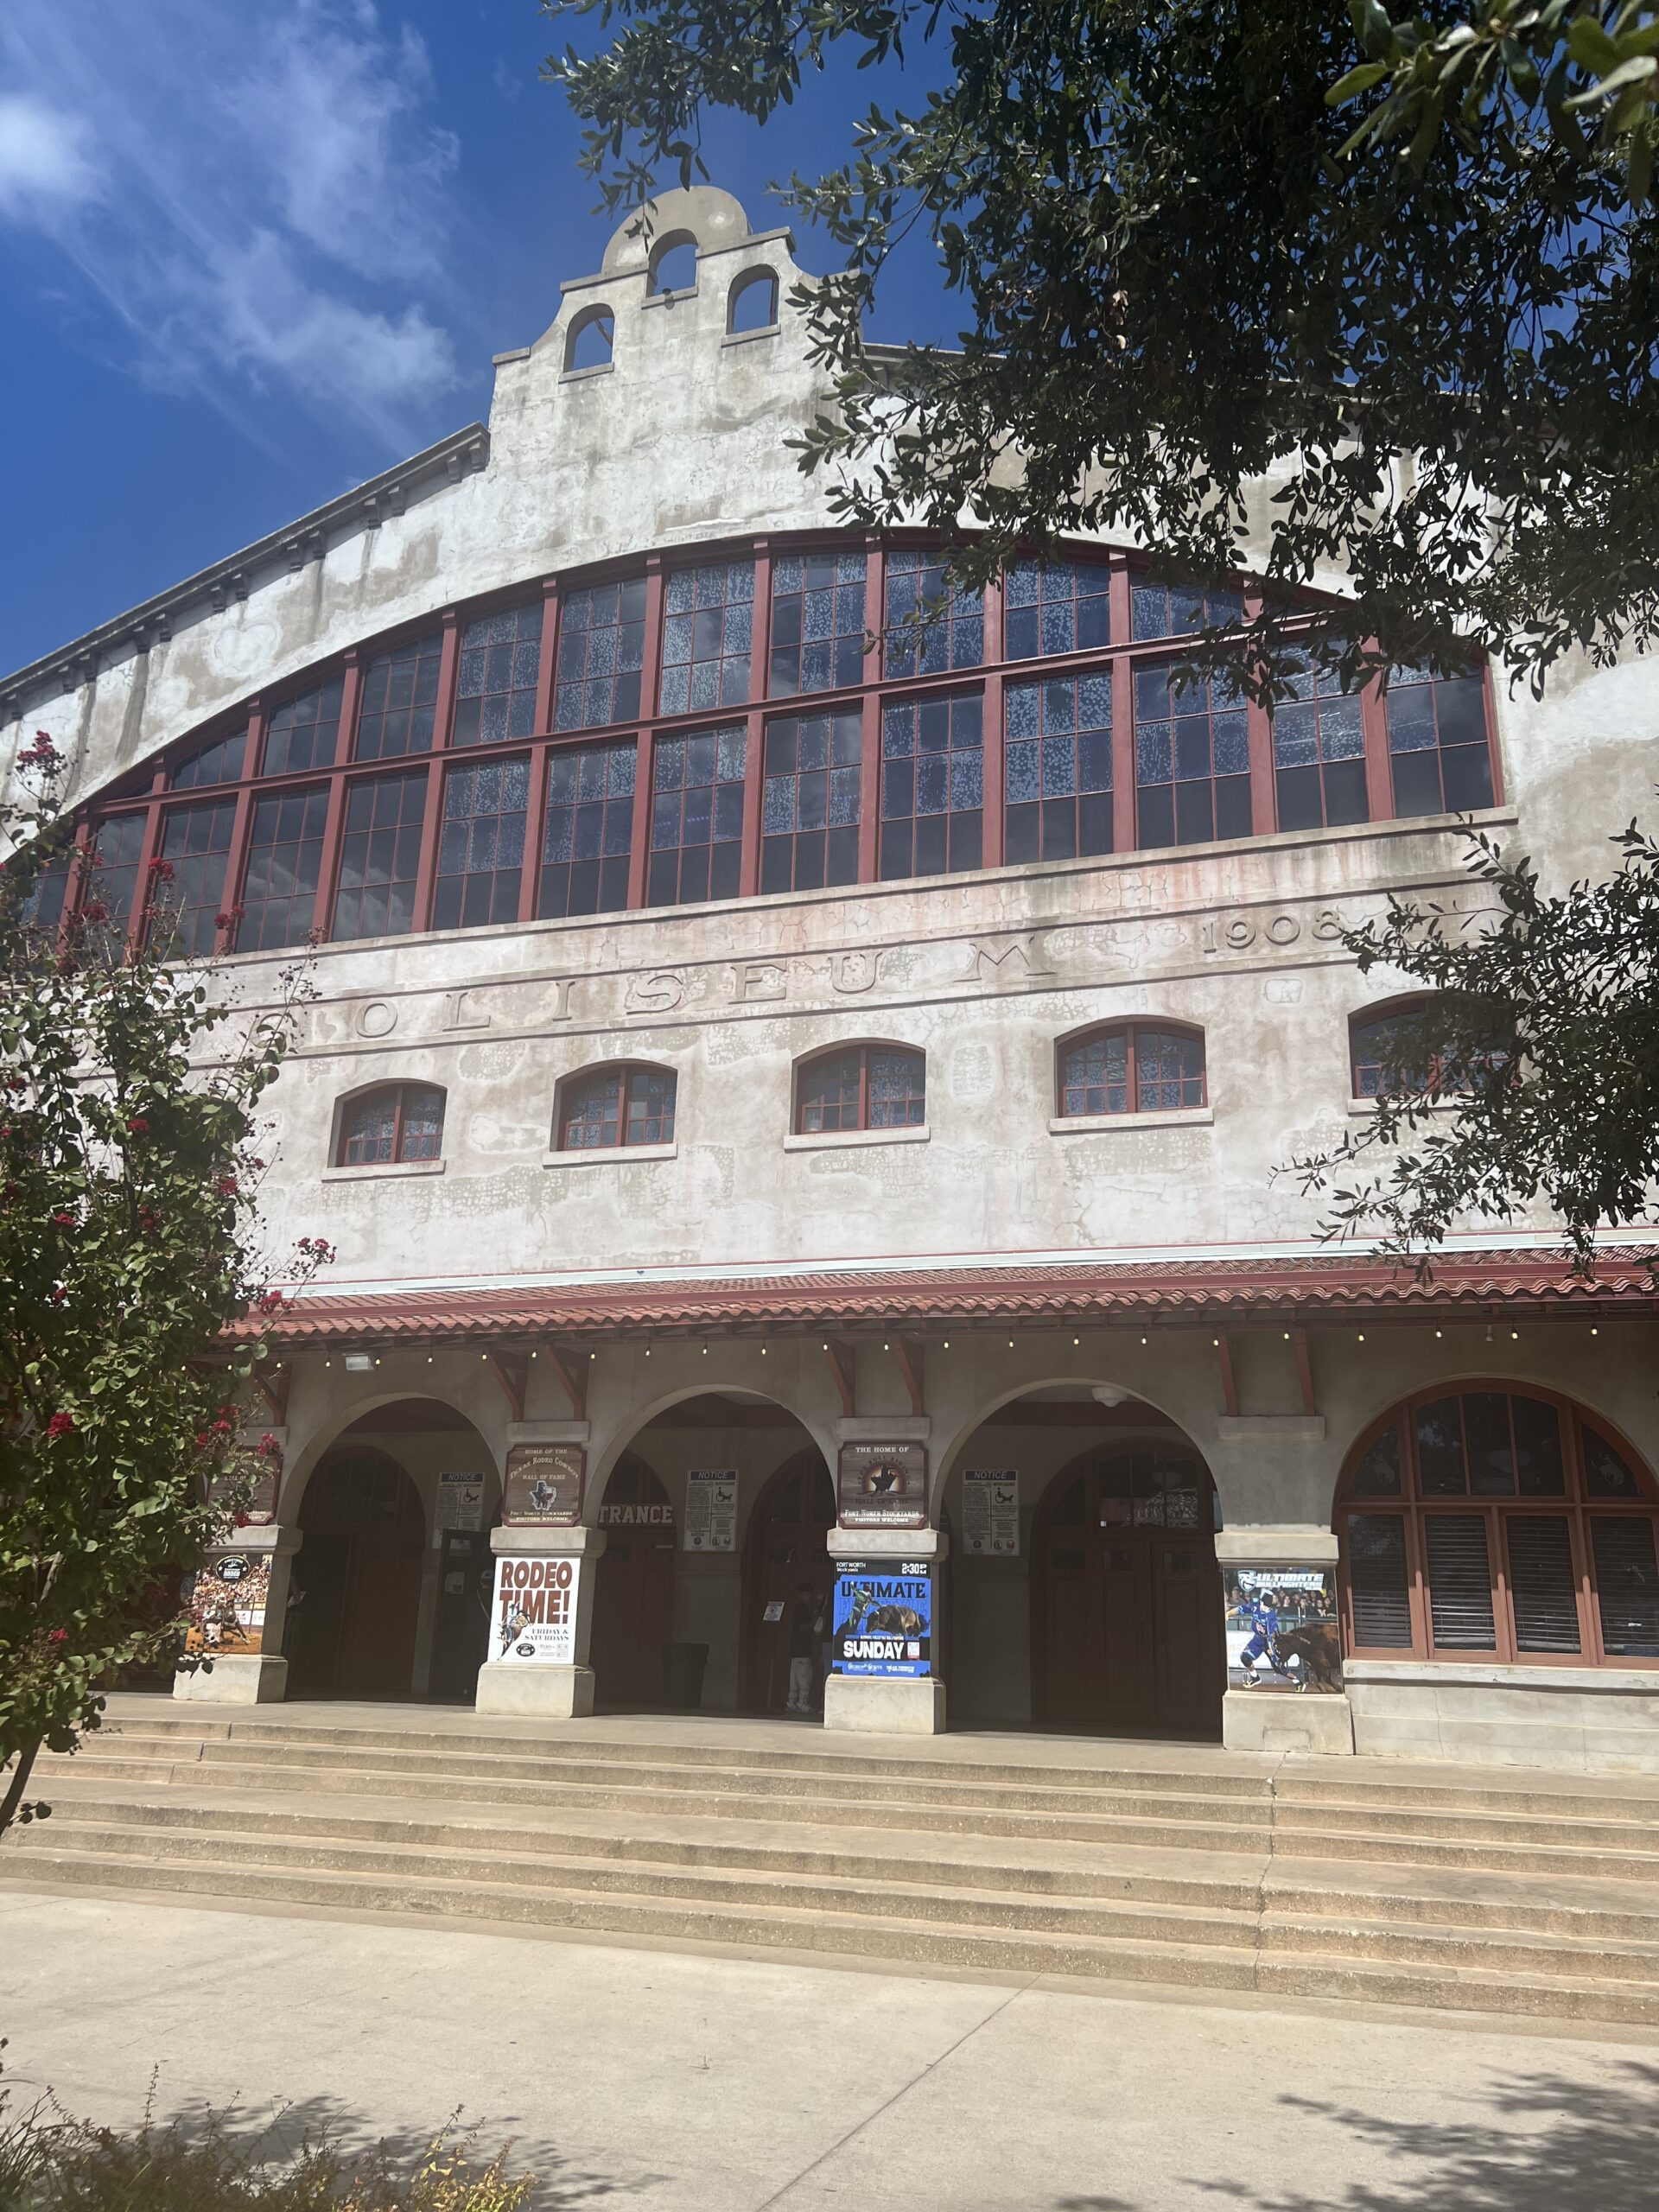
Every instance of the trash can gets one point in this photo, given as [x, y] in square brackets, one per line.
[684, 1671]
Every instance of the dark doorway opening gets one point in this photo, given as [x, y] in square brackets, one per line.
[785, 1547]
[357, 1580]
[634, 1591]
[1125, 1624]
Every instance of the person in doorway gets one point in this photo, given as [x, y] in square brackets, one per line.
[805, 1627]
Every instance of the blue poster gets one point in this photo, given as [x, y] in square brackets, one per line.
[883, 1617]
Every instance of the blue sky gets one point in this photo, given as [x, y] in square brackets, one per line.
[250, 255]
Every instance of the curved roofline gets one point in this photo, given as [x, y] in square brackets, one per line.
[462, 453]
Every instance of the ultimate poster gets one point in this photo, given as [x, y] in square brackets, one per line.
[883, 1617]
[882, 1486]
[1282, 1628]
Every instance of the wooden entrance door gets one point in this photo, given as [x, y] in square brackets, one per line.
[1126, 1597]
[358, 1577]
[634, 1591]
[785, 1547]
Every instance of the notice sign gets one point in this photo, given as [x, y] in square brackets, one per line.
[882, 1486]
[990, 1512]
[883, 1617]
[460, 1502]
[711, 1508]
[226, 1605]
[543, 1486]
[535, 1611]
[1282, 1628]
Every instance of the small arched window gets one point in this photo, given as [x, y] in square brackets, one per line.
[1400, 1051]
[674, 264]
[751, 304]
[617, 1106]
[398, 1121]
[1488, 1521]
[1132, 1067]
[861, 1087]
[591, 338]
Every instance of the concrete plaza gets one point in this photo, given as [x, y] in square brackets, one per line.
[687, 2080]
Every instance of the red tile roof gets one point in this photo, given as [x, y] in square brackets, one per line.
[1194, 1291]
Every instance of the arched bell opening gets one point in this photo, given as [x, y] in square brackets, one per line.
[1084, 1588]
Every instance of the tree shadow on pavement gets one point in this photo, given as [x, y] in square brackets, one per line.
[1530, 2142]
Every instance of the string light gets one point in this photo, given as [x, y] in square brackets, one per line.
[1595, 1332]
[1362, 1336]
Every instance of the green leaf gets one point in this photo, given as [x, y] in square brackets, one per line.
[1360, 79]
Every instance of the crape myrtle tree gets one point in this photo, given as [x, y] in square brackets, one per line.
[128, 1115]
[1527, 1073]
[1354, 298]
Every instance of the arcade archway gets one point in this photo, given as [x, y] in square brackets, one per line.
[357, 1580]
[787, 1547]
[1082, 1586]
[1126, 1623]
[633, 1597]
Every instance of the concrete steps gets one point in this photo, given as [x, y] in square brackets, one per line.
[1530, 1899]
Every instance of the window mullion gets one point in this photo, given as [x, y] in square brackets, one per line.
[760, 624]
[992, 784]
[748, 863]
[1125, 831]
[333, 827]
[426, 874]
[1374, 724]
[530, 875]
[547, 664]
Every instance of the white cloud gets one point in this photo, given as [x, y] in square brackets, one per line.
[267, 210]
[42, 161]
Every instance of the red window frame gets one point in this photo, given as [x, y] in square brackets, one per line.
[627, 1080]
[406, 1099]
[1137, 1036]
[1415, 1508]
[431, 648]
[853, 1064]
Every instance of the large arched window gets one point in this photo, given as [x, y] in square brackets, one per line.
[398, 1121]
[1131, 1067]
[612, 1106]
[861, 1087]
[1488, 1522]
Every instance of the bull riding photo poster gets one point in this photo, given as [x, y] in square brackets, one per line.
[1282, 1628]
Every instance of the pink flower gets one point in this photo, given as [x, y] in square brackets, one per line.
[64, 1220]
[241, 1520]
[57, 1636]
[160, 869]
[139, 1126]
[61, 1425]
[228, 1186]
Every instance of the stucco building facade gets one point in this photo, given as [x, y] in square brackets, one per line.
[796, 1099]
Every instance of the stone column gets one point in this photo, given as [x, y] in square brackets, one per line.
[1269, 1719]
[258, 1676]
[558, 1687]
[877, 1705]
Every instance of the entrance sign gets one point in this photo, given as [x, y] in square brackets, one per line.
[1282, 1628]
[711, 1508]
[534, 1617]
[460, 1503]
[543, 1486]
[882, 1486]
[883, 1620]
[990, 1512]
[226, 1606]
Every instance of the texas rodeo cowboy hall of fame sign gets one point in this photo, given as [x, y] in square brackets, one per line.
[882, 1485]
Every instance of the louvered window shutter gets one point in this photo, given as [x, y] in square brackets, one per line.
[1541, 1582]
[1459, 1582]
[1378, 1580]
[1627, 1586]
